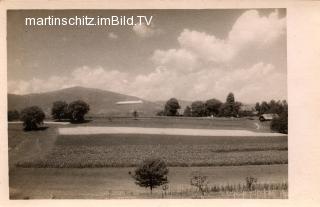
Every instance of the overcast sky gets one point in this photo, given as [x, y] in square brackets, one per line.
[187, 54]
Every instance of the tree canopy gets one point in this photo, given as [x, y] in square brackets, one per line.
[59, 110]
[198, 109]
[171, 107]
[32, 117]
[212, 107]
[151, 173]
[77, 110]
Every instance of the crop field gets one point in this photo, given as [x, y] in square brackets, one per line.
[78, 151]
[38, 156]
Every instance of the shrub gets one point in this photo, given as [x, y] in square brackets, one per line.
[13, 115]
[250, 181]
[280, 124]
[201, 182]
[151, 173]
[32, 117]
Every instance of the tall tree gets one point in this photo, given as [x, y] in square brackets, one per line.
[212, 106]
[171, 107]
[77, 110]
[229, 108]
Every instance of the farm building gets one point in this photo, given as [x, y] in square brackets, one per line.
[268, 117]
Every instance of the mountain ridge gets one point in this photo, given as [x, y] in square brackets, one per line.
[100, 101]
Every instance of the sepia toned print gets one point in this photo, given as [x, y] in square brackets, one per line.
[171, 104]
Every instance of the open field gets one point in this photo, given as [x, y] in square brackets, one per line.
[79, 151]
[44, 164]
[252, 124]
[101, 183]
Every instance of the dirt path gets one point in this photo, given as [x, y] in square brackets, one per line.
[161, 131]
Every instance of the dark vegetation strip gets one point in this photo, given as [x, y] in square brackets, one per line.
[44, 164]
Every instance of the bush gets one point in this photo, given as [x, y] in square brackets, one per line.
[280, 124]
[151, 173]
[250, 182]
[201, 182]
[32, 117]
[13, 115]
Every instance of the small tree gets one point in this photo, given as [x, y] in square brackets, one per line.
[32, 117]
[201, 182]
[59, 110]
[171, 107]
[77, 110]
[151, 173]
[13, 115]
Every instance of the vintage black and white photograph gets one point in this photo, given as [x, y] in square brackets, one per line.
[147, 104]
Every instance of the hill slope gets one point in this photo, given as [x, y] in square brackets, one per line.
[101, 102]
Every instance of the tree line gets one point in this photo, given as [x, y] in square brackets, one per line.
[231, 108]
[211, 107]
[34, 116]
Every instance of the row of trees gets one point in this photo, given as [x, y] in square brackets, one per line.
[33, 116]
[74, 111]
[272, 107]
[211, 107]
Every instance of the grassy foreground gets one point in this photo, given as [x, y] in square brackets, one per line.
[115, 183]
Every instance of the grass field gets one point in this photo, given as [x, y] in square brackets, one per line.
[87, 166]
[102, 183]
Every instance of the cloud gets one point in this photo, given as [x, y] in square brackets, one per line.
[144, 31]
[252, 29]
[199, 68]
[175, 58]
[112, 36]
[249, 31]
